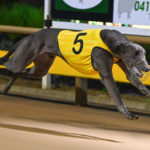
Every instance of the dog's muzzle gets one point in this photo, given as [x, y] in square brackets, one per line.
[139, 69]
[141, 72]
[147, 69]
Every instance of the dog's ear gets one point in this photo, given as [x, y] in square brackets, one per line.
[119, 46]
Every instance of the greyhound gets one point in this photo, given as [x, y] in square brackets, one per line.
[42, 48]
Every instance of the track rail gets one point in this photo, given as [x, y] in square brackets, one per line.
[18, 30]
[28, 30]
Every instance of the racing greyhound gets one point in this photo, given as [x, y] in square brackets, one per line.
[43, 46]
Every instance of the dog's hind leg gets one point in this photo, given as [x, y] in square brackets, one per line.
[42, 64]
[8, 86]
[134, 80]
[10, 52]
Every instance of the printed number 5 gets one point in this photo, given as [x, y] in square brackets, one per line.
[77, 40]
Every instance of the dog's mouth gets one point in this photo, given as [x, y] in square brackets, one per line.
[138, 71]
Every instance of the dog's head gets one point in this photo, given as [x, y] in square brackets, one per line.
[133, 55]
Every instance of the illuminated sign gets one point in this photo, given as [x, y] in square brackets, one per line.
[82, 4]
[97, 10]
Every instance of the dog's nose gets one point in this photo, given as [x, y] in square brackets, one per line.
[147, 69]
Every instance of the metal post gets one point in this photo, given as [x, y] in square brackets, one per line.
[46, 80]
[47, 13]
[47, 7]
[81, 91]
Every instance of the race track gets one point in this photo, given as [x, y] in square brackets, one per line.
[39, 125]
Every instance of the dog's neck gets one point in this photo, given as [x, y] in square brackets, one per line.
[115, 41]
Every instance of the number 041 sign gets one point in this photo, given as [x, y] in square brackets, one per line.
[132, 12]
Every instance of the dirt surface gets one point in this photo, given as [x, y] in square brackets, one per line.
[27, 124]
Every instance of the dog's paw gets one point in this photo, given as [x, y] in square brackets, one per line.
[132, 116]
[148, 92]
[128, 114]
[144, 90]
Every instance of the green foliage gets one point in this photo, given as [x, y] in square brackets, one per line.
[21, 15]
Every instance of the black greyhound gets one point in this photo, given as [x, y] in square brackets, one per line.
[42, 47]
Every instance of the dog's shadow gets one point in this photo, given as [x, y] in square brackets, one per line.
[53, 132]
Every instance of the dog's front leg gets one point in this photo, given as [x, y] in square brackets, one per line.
[134, 80]
[103, 62]
[109, 83]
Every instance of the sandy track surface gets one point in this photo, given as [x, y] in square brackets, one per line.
[35, 125]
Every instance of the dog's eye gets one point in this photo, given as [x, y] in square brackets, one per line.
[137, 53]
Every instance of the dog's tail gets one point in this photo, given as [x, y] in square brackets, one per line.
[10, 52]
